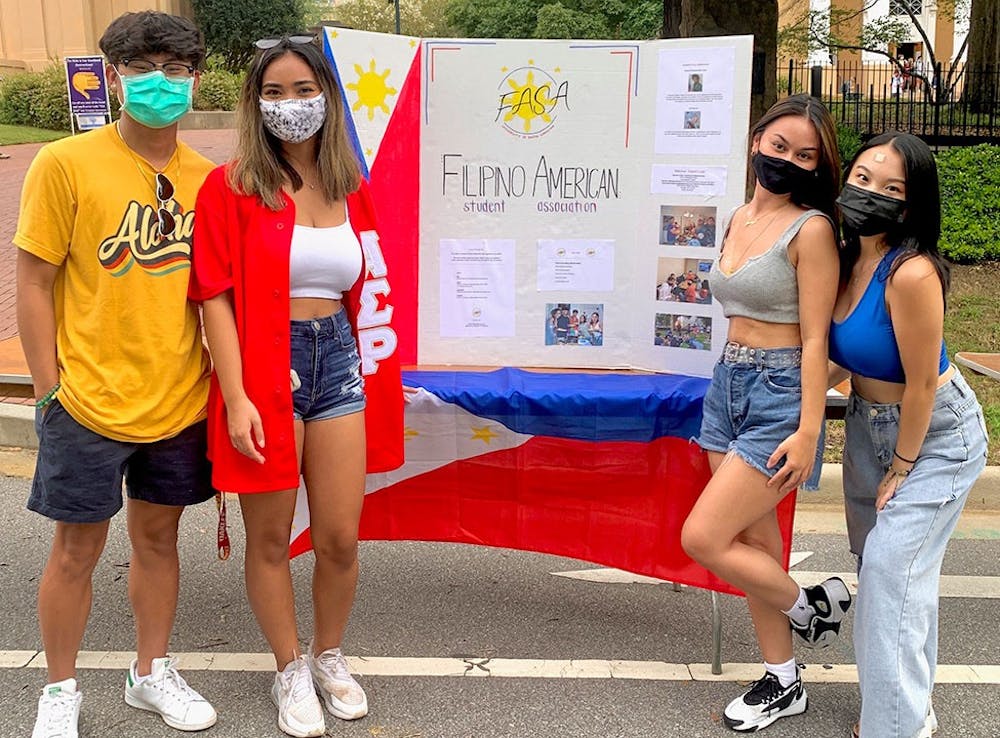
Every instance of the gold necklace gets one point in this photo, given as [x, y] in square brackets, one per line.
[752, 221]
[755, 238]
[156, 171]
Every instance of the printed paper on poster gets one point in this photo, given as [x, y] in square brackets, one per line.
[694, 103]
[584, 265]
[477, 287]
[704, 181]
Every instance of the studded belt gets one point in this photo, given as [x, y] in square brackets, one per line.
[778, 358]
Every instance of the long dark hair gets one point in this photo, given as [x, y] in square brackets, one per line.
[260, 166]
[826, 185]
[918, 234]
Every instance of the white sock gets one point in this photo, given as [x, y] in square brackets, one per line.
[787, 672]
[801, 612]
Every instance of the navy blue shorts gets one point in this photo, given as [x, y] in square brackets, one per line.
[79, 473]
[325, 358]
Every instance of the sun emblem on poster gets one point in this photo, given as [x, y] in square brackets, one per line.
[529, 98]
[371, 89]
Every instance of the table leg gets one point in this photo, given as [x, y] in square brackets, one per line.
[716, 634]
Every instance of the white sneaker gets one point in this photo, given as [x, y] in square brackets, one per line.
[341, 693]
[299, 711]
[58, 711]
[764, 702]
[166, 693]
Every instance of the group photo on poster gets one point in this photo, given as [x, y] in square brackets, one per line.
[576, 324]
[683, 225]
[683, 280]
[683, 331]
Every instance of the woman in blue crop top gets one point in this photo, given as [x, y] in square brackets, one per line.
[764, 408]
[915, 436]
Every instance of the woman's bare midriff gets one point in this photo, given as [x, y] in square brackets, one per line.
[311, 308]
[882, 393]
[758, 334]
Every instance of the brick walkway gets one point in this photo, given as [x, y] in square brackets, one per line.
[216, 145]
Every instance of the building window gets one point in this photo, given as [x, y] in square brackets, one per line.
[899, 7]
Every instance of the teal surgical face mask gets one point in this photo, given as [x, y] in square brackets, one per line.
[155, 100]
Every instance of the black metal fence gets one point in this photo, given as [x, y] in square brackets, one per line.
[944, 105]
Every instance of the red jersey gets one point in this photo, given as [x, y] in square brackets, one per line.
[243, 246]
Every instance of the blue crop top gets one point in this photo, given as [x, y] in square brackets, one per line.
[864, 342]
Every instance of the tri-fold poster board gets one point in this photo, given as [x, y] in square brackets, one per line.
[569, 195]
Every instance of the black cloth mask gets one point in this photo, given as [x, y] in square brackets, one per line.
[781, 176]
[869, 213]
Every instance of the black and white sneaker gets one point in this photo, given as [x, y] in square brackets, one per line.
[765, 702]
[830, 602]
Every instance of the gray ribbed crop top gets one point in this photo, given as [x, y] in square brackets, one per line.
[765, 287]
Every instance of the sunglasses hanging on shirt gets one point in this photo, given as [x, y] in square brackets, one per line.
[165, 220]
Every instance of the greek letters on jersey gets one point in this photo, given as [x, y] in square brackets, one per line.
[137, 241]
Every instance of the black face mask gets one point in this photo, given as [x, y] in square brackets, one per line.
[781, 176]
[869, 213]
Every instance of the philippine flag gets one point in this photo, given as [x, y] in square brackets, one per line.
[597, 467]
[379, 80]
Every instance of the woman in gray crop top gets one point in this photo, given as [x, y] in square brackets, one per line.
[776, 280]
[915, 435]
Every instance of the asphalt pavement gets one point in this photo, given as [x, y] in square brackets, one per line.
[455, 641]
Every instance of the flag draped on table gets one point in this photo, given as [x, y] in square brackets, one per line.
[597, 467]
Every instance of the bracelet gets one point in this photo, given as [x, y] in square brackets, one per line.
[48, 397]
[897, 473]
[908, 461]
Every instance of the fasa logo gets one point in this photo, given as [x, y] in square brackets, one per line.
[529, 100]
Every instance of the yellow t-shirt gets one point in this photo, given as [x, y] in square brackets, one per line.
[130, 354]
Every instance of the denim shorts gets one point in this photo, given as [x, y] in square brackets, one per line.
[325, 358]
[752, 404]
[78, 475]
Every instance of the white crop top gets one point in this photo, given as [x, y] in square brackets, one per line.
[324, 262]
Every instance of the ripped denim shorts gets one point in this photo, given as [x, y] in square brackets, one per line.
[325, 359]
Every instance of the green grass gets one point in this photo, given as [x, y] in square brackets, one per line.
[10, 135]
[970, 325]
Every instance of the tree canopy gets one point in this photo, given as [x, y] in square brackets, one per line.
[613, 19]
[231, 26]
[417, 17]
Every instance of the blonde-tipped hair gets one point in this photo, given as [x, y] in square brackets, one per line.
[260, 168]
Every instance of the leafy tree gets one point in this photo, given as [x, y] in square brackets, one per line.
[231, 26]
[614, 19]
[417, 17]
[840, 29]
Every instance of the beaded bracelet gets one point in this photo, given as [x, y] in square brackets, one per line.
[48, 397]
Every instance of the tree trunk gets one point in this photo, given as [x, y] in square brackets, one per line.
[690, 18]
[671, 18]
[983, 68]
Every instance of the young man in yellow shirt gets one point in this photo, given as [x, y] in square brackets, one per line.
[116, 357]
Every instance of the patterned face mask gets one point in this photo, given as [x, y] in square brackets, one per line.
[294, 120]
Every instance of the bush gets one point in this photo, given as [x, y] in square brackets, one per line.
[219, 89]
[848, 143]
[970, 203]
[37, 99]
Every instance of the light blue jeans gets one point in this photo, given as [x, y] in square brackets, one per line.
[900, 549]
